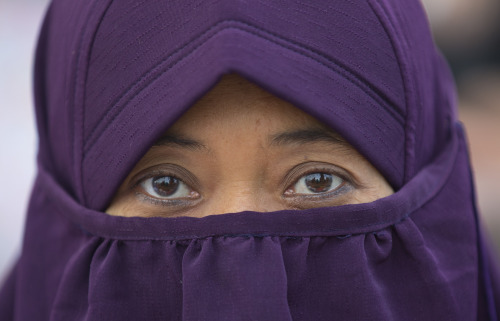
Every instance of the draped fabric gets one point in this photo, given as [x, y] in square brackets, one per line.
[111, 76]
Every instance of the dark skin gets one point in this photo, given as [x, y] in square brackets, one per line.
[240, 148]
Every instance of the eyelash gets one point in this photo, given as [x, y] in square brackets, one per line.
[180, 203]
[146, 197]
[290, 180]
[296, 174]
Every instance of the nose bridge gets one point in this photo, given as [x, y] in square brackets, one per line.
[239, 198]
[243, 196]
[242, 183]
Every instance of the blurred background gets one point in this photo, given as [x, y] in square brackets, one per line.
[468, 33]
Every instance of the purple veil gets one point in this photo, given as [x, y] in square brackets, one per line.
[111, 76]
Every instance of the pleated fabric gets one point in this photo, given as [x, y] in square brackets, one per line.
[111, 76]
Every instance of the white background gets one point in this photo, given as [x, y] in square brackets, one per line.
[19, 24]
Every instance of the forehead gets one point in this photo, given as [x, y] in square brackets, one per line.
[240, 103]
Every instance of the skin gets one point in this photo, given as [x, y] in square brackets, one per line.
[240, 148]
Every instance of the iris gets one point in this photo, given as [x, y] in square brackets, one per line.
[165, 185]
[318, 182]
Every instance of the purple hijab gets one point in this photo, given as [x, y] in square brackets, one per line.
[111, 76]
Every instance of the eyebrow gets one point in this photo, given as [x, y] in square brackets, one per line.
[303, 136]
[177, 140]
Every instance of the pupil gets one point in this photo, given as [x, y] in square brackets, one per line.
[319, 182]
[165, 185]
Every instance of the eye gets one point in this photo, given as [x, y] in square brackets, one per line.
[167, 187]
[316, 183]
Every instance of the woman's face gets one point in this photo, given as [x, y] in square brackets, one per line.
[239, 148]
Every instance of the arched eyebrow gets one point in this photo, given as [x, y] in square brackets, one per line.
[303, 136]
[180, 141]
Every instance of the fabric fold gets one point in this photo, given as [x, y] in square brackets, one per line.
[279, 277]
[112, 76]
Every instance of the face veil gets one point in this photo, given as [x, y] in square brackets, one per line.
[111, 76]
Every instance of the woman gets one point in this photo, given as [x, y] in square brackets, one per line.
[240, 148]
[114, 78]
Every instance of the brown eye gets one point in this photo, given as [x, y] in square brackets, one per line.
[166, 187]
[316, 183]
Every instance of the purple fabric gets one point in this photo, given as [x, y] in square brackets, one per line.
[111, 76]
